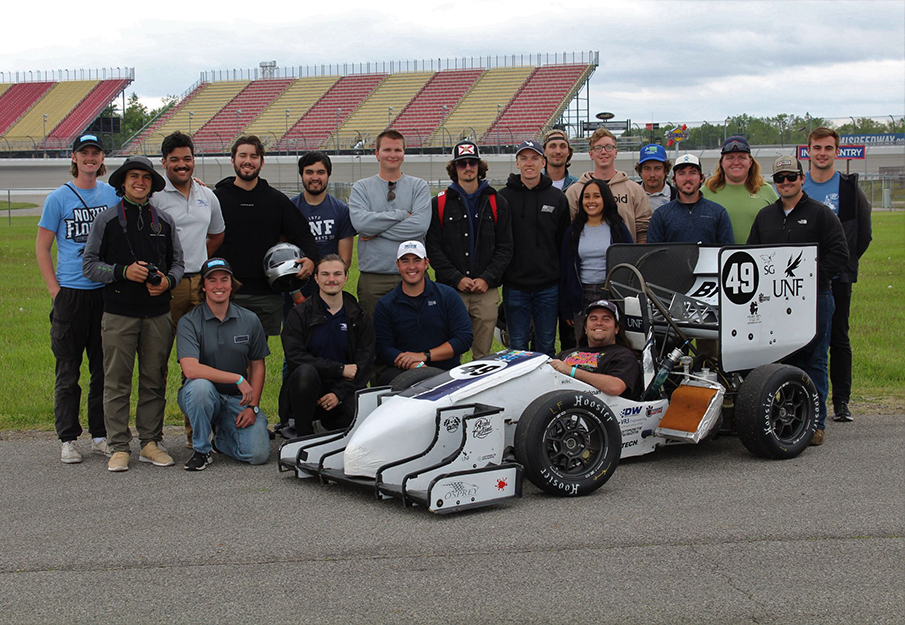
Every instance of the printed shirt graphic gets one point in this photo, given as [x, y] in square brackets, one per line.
[66, 215]
[329, 222]
[824, 192]
[583, 360]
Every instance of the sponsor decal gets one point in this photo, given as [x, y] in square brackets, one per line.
[460, 490]
[706, 289]
[763, 298]
[635, 324]
[451, 424]
[631, 410]
[512, 354]
[792, 265]
[740, 278]
[631, 431]
[476, 369]
[501, 484]
[651, 411]
[628, 444]
[767, 260]
[482, 428]
[487, 457]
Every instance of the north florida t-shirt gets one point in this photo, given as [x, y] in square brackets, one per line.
[824, 192]
[329, 222]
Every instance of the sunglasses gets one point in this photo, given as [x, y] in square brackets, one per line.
[736, 146]
[781, 178]
[465, 163]
[391, 192]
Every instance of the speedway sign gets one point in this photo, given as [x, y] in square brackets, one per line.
[846, 153]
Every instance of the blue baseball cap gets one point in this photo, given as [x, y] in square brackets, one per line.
[530, 145]
[653, 152]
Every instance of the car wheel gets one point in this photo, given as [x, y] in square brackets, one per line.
[776, 411]
[410, 378]
[568, 442]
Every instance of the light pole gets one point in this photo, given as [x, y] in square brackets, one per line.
[893, 124]
[725, 127]
[443, 129]
[238, 112]
[389, 115]
[339, 113]
[287, 128]
[45, 135]
[191, 115]
[854, 125]
[499, 118]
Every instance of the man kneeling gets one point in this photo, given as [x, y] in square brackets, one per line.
[217, 344]
[329, 344]
[608, 363]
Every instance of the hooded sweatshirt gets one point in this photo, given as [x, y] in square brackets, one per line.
[630, 198]
[255, 220]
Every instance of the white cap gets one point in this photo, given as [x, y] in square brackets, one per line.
[687, 159]
[411, 247]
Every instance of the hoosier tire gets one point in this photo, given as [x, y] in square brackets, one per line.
[569, 443]
[410, 378]
[776, 411]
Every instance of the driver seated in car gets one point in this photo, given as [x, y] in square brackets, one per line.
[607, 362]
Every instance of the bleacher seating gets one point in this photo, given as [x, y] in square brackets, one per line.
[378, 111]
[4, 87]
[231, 120]
[425, 112]
[56, 104]
[315, 128]
[479, 108]
[85, 112]
[191, 114]
[300, 96]
[19, 98]
[540, 101]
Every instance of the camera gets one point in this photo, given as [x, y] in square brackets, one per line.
[153, 278]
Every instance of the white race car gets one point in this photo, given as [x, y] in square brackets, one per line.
[465, 438]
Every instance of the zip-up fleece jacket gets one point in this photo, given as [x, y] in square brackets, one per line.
[448, 245]
[417, 324]
[540, 217]
[703, 222]
[630, 198]
[809, 222]
[255, 220]
[297, 331]
[854, 213]
[108, 253]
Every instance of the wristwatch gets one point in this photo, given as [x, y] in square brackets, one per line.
[427, 356]
[255, 410]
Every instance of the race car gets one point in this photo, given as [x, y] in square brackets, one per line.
[465, 438]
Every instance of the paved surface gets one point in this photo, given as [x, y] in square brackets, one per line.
[705, 534]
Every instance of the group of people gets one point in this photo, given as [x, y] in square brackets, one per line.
[149, 258]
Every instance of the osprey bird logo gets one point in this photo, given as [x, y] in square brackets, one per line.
[792, 266]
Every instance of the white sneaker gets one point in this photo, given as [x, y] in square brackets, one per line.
[69, 454]
[101, 447]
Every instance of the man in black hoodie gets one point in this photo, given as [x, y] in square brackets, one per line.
[135, 252]
[256, 216]
[540, 216]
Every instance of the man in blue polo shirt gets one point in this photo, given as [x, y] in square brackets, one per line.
[77, 302]
[420, 322]
[218, 344]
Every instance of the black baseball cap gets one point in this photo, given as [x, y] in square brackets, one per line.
[605, 304]
[465, 150]
[85, 140]
[215, 264]
[736, 143]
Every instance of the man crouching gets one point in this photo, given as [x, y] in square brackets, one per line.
[218, 344]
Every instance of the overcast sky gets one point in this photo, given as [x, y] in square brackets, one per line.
[659, 61]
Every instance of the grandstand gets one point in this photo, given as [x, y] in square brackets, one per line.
[499, 101]
[45, 111]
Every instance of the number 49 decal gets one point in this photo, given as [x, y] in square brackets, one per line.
[476, 369]
[740, 278]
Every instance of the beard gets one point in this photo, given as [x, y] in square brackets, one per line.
[314, 192]
[247, 177]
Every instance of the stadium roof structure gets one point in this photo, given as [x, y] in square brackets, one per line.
[497, 101]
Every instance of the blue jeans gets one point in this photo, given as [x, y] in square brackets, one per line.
[812, 358]
[524, 306]
[209, 410]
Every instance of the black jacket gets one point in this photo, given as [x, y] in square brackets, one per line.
[854, 213]
[540, 217]
[255, 220]
[809, 222]
[448, 245]
[299, 326]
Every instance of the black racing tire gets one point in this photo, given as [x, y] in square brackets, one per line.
[569, 443]
[410, 378]
[776, 411]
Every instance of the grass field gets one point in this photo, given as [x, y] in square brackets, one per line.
[16, 205]
[27, 365]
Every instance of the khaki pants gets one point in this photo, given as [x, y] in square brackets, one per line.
[373, 286]
[151, 340]
[482, 308]
[185, 297]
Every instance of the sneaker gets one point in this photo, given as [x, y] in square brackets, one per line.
[843, 414]
[198, 462]
[119, 461]
[101, 447]
[155, 455]
[818, 438]
[69, 454]
[162, 448]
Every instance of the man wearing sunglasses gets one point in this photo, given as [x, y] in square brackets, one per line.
[738, 186]
[796, 218]
[386, 209]
[470, 241]
[634, 207]
[845, 198]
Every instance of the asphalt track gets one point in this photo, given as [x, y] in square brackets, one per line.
[691, 534]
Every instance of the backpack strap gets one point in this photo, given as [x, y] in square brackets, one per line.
[441, 205]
